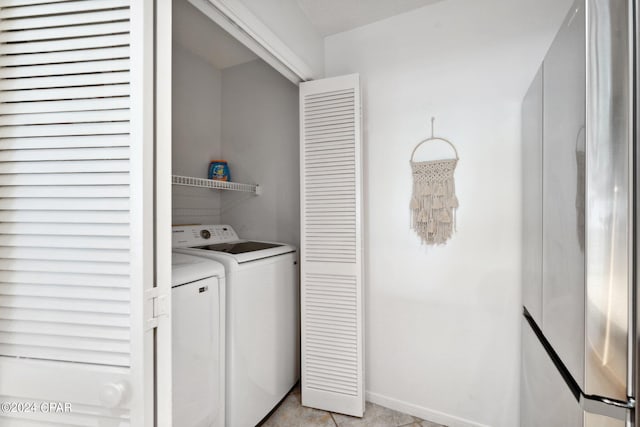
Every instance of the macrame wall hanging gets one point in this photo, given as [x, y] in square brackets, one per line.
[434, 201]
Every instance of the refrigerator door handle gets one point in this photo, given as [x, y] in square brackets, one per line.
[608, 407]
[594, 404]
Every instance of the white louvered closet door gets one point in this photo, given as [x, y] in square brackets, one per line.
[72, 260]
[331, 240]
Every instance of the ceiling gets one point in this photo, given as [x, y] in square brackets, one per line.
[197, 33]
[335, 16]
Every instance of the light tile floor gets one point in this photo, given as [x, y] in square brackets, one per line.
[291, 413]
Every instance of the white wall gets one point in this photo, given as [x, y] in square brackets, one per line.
[289, 23]
[260, 133]
[196, 135]
[443, 323]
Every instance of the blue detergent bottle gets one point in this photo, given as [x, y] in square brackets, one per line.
[219, 170]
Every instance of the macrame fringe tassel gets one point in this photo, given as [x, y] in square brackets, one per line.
[434, 202]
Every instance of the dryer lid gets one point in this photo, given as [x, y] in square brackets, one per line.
[187, 269]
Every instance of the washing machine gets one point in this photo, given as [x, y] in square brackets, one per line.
[198, 341]
[263, 317]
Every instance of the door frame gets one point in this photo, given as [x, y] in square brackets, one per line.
[163, 151]
[141, 210]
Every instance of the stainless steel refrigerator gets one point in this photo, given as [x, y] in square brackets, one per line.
[580, 248]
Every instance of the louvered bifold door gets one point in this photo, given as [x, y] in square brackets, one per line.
[65, 213]
[331, 245]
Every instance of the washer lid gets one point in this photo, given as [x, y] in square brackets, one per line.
[247, 251]
[187, 269]
[233, 257]
[242, 247]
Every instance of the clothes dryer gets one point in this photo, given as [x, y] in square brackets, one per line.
[198, 341]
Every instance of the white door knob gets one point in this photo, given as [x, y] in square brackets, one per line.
[112, 394]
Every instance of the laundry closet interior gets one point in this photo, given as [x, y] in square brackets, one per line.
[242, 348]
[229, 104]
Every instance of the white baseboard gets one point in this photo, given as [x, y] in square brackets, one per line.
[422, 412]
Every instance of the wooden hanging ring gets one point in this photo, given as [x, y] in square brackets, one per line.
[434, 138]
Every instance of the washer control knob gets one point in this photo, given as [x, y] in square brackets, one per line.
[205, 234]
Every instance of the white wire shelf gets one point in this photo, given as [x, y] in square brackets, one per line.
[190, 181]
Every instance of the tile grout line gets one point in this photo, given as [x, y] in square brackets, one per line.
[333, 419]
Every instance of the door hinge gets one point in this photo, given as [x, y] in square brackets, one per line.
[155, 307]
